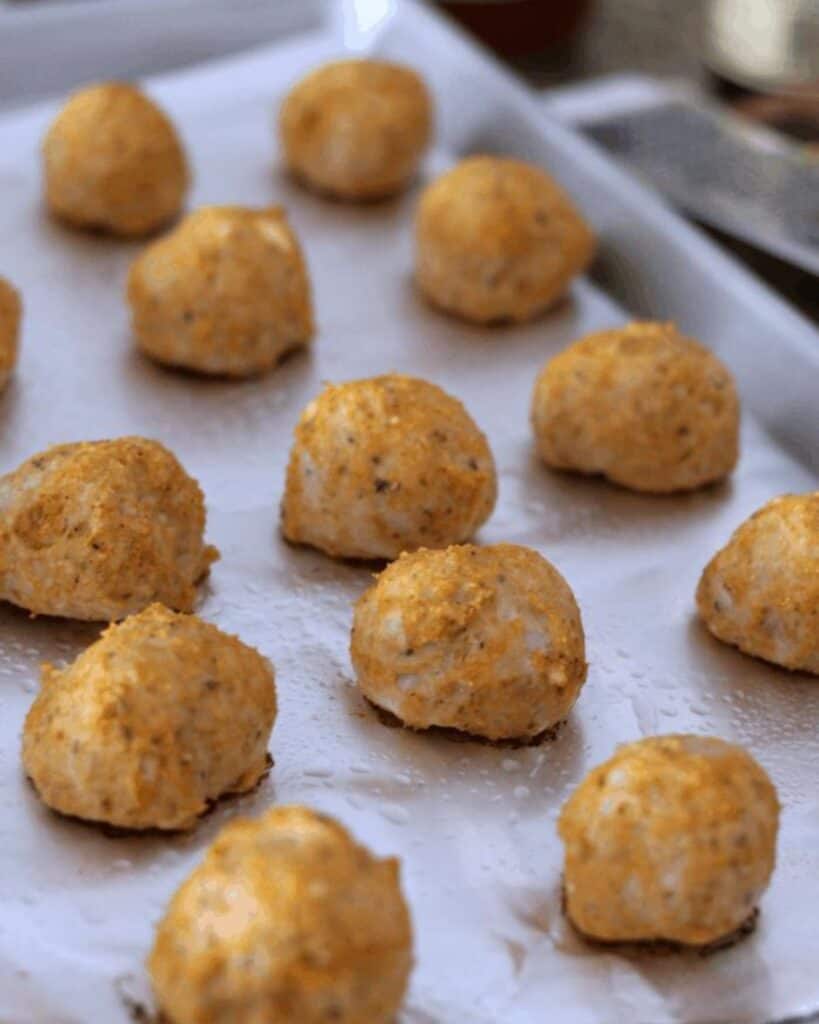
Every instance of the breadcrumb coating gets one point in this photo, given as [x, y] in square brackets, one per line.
[11, 311]
[673, 838]
[226, 293]
[487, 641]
[113, 162]
[152, 723]
[761, 591]
[498, 240]
[287, 919]
[356, 129]
[385, 465]
[100, 529]
[642, 405]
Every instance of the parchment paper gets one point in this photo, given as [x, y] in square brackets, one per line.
[474, 826]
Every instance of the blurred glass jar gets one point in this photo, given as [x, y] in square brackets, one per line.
[520, 28]
[769, 46]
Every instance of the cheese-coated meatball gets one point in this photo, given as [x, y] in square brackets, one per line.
[356, 129]
[10, 313]
[226, 293]
[642, 405]
[97, 530]
[288, 920]
[385, 465]
[113, 162]
[673, 838]
[487, 641]
[761, 591]
[152, 723]
[498, 240]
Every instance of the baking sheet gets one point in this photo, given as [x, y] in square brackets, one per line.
[50, 46]
[473, 825]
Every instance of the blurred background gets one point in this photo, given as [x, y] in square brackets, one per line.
[714, 103]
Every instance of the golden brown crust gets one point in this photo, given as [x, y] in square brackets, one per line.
[487, 641]
[643, 405]
[226, 293]
[761, 591]
[11, 310]
[356, 129]
[392, 721]
[98, 530]
[662, 947]
[130, 832]
[498, 240]
[113, 162]
[384, 465]
[673, 838]
[286, 919]
[151, 724]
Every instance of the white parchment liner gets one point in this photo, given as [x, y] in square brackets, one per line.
[473, 825]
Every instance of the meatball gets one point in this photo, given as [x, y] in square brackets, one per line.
[673, 838]
[287, 919]
[100, 529]
[152, 723]
[761, 591]
[356, 129]
[487, 641]
[384, 465]
[226, 293]
[113, 162]
[10, 313]
[642, 405]
[497, 240]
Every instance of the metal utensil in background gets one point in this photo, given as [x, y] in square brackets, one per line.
[756, 190]
[737, 177]
[764, 59]
[766, 46]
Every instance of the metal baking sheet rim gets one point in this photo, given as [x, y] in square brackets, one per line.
[63, 888]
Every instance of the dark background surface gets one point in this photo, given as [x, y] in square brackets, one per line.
[659, 37]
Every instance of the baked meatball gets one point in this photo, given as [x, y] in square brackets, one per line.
[113, 162]
[10, 313]
[226, 293]
[642, 405]
[673, 838]
[98, 530]
[289, 920]
[498, 240]
[761, 591]
[487, 641]
[151, 724]
[385, 465]
[356, 129]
